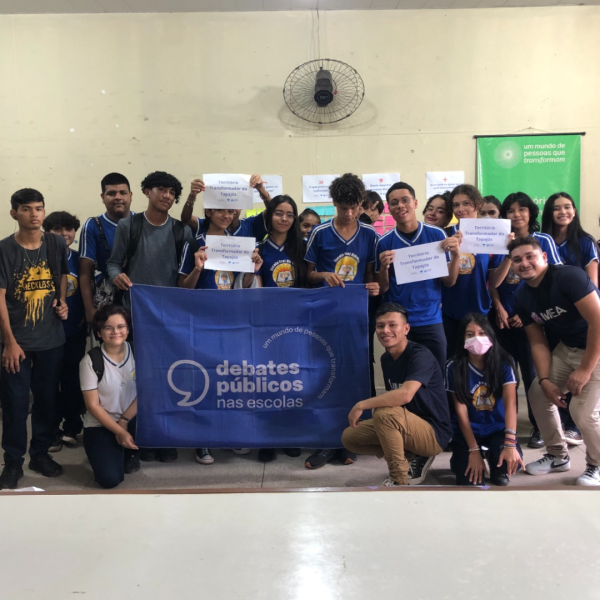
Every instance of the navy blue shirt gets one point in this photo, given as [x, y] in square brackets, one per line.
[430, 403]
[75, 320]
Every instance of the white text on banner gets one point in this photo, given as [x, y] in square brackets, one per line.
[427, 261]
[224, 190]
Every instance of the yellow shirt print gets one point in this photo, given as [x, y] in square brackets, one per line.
[33, 288]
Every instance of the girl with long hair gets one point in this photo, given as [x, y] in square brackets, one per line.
[483, 383]
[577, 248]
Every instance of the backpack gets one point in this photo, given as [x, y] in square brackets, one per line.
[97, 362]
[135, 234]
[104, 292]
[53, 261]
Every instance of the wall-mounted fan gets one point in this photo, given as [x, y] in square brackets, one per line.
[323, 91]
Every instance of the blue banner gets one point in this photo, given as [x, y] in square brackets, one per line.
[253, 368]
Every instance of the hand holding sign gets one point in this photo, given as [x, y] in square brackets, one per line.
[418, 263]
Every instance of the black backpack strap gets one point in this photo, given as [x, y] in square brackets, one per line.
[102, 236]
[135, 234]
[53, 260]
[97, 362]
[179, 235]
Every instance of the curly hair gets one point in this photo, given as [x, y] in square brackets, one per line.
[104, 313]
[59, 219]
[162, 179]
[348, 190]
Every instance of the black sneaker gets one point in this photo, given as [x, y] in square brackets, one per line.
[148, 454]
[11, 474]
[46, 465]
[499, 478]
[419, 466]
[346, 457]
[132, 463]
[535, 439]
[266, 454]
[292, 452]
[320, 458]
[57, 443]
[167, 455]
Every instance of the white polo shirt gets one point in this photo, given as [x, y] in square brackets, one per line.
[117, 388]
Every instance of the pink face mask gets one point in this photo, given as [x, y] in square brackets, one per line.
[479, 344]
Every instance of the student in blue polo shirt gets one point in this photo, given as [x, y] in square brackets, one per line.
[249, 227]
[96, 242]
[282, 251]
[576, 247]
[421, 299]
[483, 385]
[523, 213]
[470, 292]
[193, 275]
[70, 405]
[342, 251]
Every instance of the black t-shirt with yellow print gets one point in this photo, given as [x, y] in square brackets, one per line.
[30, 291]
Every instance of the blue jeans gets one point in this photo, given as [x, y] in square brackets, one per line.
[106, 455]
[39, 372]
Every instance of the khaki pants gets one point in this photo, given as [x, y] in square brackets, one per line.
[584, 408]
[393, 433]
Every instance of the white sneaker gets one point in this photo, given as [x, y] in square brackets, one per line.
[389, 482]
[591, 476]
[204, 457]
[548, 464]
[573, 438]
[241, 451]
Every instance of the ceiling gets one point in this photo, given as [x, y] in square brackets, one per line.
[153, 6]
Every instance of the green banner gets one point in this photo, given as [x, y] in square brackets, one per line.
[539, 165]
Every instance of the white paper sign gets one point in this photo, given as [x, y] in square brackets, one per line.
[230, 253]
[485, 236]
[273, 184]
[225, 190]
[315, 188]
[439, 182]
[380, 182]
[427, 261]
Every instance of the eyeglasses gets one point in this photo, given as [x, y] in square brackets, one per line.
[109, 329]
[280, 214]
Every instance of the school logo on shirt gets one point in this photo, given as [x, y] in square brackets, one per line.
[72, 285]
[224, 280]
[512, 278]
[346, 266]
[283, 273]
[32, 288]
[466, 264]
[480, 401]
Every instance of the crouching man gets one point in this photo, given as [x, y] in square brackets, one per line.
[411, 420]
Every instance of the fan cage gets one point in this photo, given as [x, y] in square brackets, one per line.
[299, 90]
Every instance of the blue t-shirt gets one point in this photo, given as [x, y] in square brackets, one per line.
[249, 227]
[588, 250]
[91, 245]
[486, 415]
[470, 292]
[75, 320]
[508, 288]
[208, 279]
[331, 253]
[422, 299]
[277, 269]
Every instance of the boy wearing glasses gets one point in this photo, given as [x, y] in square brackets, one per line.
[411, 420]
[422, 299]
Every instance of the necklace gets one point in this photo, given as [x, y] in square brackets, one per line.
[33, 265]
